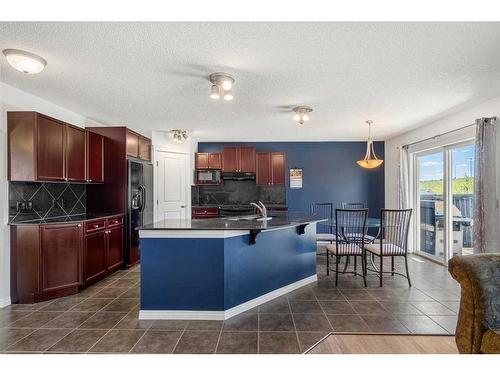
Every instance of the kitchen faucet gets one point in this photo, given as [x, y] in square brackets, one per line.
[262, 209]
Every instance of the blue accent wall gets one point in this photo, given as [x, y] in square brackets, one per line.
[330, 172]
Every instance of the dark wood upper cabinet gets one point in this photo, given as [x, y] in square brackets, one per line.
[238, 159]
[132, 144]
[201, 160]
[75, 154]
[50, 163]
[41, 148]
[208, 160]
[61, 256]
[247, 159]
[278, 168]
[95, 157]
[144, 148]
[230, 159]
[271, 167]
[215, 160]
[263, 174]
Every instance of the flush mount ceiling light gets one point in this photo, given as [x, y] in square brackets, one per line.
[222, 85]
[302, 113]
[179, 135]
[370, 161]
[24, 61]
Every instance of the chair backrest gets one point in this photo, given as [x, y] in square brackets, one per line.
[350, 225]
[395, 225]
[325, 211]
[351, 206]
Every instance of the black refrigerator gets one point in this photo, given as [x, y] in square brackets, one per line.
[140, 206]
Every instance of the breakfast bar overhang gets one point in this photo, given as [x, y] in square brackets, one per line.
[216, 268]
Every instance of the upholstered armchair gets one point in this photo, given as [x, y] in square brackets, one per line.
[478, 327]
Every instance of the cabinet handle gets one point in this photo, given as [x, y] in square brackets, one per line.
[79, 225]
[96, 225]
[90, 180]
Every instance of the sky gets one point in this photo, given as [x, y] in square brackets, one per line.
[431, 166]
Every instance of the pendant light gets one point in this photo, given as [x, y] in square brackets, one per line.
[370, 161]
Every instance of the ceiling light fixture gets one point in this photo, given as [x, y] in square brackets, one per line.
[302, 113]
[222, 84]
[370, 161]
[24, 61]
[179, 135]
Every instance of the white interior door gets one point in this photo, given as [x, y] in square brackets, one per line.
[171, 185]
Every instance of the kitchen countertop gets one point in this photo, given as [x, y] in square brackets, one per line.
[280, 221]
[66, 219]
[268, 205]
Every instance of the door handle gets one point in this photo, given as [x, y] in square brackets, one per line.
[182, 206]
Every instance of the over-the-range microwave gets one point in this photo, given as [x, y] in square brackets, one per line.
[208, 177]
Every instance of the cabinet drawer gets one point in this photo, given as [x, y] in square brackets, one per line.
[94, 226]
[115, 221]
[204, 212]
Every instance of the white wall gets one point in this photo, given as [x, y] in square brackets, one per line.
[487, 109]
[12, 99]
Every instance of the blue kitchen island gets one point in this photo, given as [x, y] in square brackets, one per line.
[216, 268]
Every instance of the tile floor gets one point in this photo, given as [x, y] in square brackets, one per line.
[104, 317]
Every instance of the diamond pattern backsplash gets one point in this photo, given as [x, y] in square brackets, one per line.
[39, 201]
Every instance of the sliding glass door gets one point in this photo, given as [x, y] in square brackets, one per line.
[443, 190]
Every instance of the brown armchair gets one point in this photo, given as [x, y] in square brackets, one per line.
[478, 327]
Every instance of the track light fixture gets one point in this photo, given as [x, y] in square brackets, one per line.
[222, 85]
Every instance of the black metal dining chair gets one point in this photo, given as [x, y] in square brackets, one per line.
[352, 206]
[393, 242]
[324, 233]
[350, 226]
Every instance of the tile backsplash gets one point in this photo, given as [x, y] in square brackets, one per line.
[39, 201]
[237, 192]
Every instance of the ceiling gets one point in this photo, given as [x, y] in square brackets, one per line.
[153, 76]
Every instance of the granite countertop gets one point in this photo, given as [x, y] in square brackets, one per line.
[268, 205]
[279, 221]
[65, 219]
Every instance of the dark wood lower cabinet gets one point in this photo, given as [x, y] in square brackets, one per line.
[60, 256]
[114, 252]
[55, 260]
[95, 256]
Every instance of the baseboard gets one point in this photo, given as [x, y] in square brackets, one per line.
[4, 302]
[226, 314]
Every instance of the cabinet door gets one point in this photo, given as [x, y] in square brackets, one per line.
[201, 160]
[95, 157]
[278, 168]
[263, 174]
[214, 160]
[132, 144]
[230, 159]
[144, 148]
[75, 154]
[114, 256]
[50, 149]
[61, 256]
[94, 256]
[247, 159]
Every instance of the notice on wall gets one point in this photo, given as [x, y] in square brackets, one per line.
[295, 178]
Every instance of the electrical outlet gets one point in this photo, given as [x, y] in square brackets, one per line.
[24, 205]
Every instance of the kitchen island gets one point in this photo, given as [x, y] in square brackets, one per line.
[216, 268]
